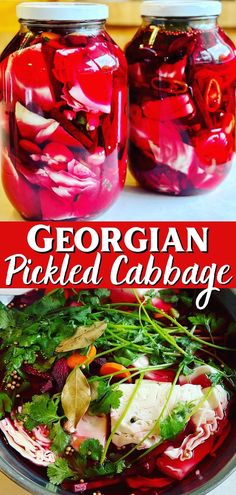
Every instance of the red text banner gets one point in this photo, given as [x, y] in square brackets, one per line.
[97, 254]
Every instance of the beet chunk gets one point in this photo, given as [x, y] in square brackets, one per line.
[60, 372]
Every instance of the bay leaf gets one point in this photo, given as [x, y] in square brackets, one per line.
[76, 396]
[83, 337]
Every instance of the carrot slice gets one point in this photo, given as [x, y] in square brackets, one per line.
[110, 368]
[77, 359]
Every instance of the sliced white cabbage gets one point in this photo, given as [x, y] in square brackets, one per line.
[147, 406]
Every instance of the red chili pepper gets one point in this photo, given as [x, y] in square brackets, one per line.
[177, 469]
[169, 86]
[142, 482]
[213, 95]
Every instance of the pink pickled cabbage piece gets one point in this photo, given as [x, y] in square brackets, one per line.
[206, 420]
[36, 128]
[27, 78]
[23, 197]
[97, 158]
[56, 155]
[165, 143]
[169, 108]
[205, 369]
[87, 75]
[36, 451]
[64, 194]
[174, 153]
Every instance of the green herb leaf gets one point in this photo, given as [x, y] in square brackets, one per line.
[5, 404]
[60, 439]
[93, 297]
[92, 449]
[46, 365]
[41, 411]
[6, 317]
[83, 337]
[215, 378]
[108, 468]
[209, 321]
[59, 471]
[125, 356]
[168, 296]
[107, 398]
[88, 461]
[47, 304]
[175, 422]
[76, 396]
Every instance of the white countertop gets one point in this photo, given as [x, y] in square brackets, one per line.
[136, 204]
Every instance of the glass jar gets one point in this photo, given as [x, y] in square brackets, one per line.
[64, 110]
[182, 70]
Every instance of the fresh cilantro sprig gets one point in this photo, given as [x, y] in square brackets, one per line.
[38, 329]
[5, 404]
[59, 471]
[173, 297]
[42, 410]
[60, 439]
[175, 422]
[108, 468]
[93, 297]
[88, 461]
[210, 321]
[6, 317]
[91, 449]
[107, 398]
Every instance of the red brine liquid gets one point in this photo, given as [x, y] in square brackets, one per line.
[64, 107]
[182, 105]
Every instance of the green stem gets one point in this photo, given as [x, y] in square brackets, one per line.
[157, 422]
[122, 416]
[165, 335]
[201, 402]
[194, 410]
[136, 372]
[126, 342]
[109, 351]
[191, 335]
